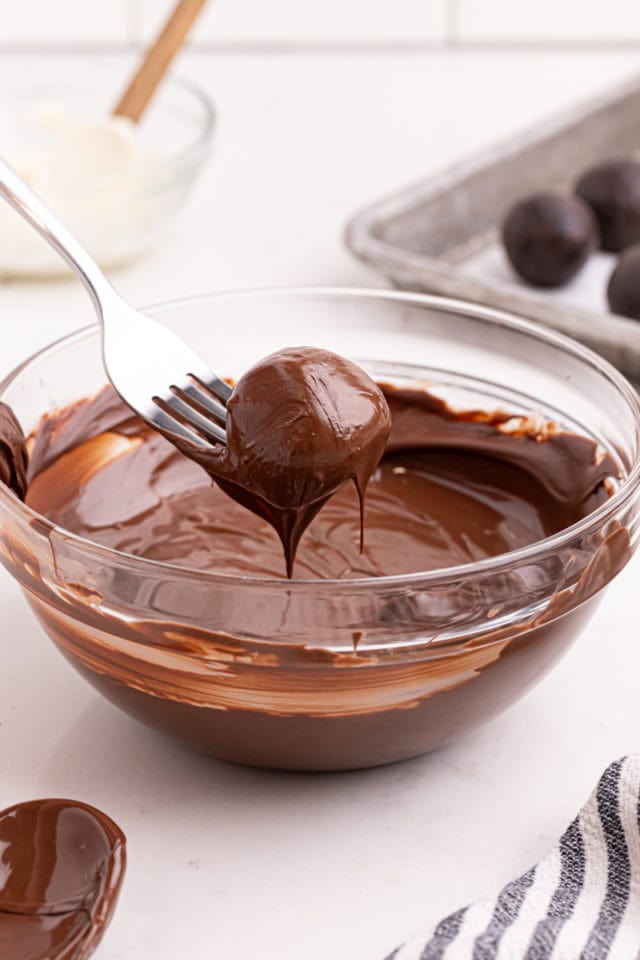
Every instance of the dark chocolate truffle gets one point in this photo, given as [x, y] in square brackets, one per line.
[301, 424]
[612, 190]
[548, 237]
[623, 291]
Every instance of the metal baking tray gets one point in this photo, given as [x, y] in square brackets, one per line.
[422, 237]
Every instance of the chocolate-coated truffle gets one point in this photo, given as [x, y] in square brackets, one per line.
[623, 291]
[301, 423]
[548, 237]
[612, 190]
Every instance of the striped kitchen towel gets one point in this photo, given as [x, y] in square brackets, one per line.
[582, 902]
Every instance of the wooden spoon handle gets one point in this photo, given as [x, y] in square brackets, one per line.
[144, 82]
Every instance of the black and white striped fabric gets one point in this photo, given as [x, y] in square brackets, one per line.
[582, 902]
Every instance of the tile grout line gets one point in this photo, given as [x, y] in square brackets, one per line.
[452, 22]
[134, 20]
[329, 47]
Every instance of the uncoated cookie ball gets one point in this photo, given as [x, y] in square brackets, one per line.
[548, 237]
[623, 291]
[612, 190]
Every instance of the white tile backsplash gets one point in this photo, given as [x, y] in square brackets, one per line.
[75, 22]
[548, 20]
[307, 20]
[64, 21]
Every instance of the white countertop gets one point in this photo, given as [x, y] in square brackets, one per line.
[235, 863]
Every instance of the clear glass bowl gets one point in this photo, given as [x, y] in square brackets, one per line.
[277, 682]
[117, 219]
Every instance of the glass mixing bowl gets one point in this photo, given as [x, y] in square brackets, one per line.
[277, 682]
[118, 218]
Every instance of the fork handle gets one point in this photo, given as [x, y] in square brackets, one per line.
[29, 205]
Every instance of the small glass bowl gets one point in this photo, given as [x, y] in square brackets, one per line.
[121, 219]
[264, 671]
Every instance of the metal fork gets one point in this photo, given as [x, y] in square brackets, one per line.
[152, 369]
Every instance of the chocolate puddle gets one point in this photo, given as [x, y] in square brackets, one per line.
[61, 868]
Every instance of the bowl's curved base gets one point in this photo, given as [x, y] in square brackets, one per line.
[350, 742]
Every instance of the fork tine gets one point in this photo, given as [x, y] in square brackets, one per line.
[162, 421]
[203, 400]
[214, 384]
[173, 404]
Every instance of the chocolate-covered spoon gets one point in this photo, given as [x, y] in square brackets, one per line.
[61, 868]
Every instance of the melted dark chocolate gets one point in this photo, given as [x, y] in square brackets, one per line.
[452, 488]
[301, 423]
[61, 867]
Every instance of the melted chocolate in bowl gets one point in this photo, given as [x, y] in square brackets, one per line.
[61, 867]
[451, 489]
[215, 662]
